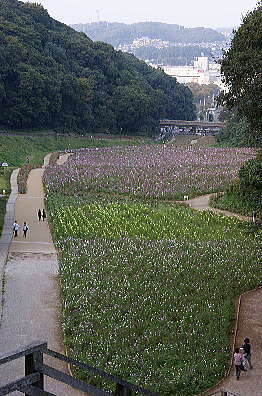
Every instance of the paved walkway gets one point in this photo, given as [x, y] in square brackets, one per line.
[31, 294]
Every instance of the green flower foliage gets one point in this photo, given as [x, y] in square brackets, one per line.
[148, 289]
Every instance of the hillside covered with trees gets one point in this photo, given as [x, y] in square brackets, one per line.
[173, 55]
[121, 33]
[54, 77]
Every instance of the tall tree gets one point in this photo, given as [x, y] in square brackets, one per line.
[241, 67]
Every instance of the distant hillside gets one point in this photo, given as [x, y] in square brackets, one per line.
[119, 33]
[176, 56]
[53, 77]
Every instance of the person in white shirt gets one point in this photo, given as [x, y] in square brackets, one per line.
[15, 228]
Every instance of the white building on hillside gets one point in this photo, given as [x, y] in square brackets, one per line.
[202, 72]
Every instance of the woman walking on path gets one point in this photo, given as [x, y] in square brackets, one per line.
[25, 229]
[44, 215]
[39, 214]
[238, 361]
[15, 228]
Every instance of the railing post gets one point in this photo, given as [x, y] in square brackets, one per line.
[31, 361]
[223, 393]
[121, 390]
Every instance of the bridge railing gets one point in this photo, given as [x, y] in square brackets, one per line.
[35, 370]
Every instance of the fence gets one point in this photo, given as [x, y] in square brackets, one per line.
[35, 370]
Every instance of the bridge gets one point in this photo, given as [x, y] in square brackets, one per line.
[192, 124]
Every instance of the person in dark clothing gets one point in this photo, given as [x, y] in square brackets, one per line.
[39, 214]
[44, 215]
[247, 350]
[25, 229]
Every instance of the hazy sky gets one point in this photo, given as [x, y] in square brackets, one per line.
[207, 13]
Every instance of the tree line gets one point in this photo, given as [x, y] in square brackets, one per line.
[54, 77]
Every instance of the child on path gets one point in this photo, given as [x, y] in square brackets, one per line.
[39, 214]
[15, 228]
[25, 229]
[247, 350]
[44, 215]
[238, 362]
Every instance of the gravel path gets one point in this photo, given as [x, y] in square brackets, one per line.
[31, 293]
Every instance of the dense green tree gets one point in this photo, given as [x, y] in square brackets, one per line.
[54, 77]
[241, 67]
[250, 176]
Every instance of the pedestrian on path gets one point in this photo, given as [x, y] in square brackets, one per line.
[15, 228]
[238, 362]
[25, 229]
[247, 350]
[39, 214]
[44, 215]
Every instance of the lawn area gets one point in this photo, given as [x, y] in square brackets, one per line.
[3, 201]
[16, 149]
[235, 203]
[148, 288]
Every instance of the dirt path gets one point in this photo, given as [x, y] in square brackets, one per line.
[202, 203]
[31, 297]
[250, 325]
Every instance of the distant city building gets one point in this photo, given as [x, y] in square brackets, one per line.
[202, 72]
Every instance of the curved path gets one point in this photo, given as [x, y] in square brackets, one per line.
[202, 203]
[31, 293]
[249, 324]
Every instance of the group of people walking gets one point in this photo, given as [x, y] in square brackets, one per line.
[25, 228]
[41, 215]
[242, 358]
[16, 227]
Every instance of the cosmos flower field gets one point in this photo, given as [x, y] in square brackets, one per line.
[147, 287]
[149, 171]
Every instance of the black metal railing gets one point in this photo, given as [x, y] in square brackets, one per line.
[35, 370]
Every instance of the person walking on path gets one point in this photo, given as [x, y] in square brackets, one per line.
[44, 215]
[247, 350]
[15, 228]
[25, 229]
[238, 362]
[39, 214]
